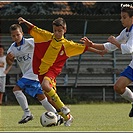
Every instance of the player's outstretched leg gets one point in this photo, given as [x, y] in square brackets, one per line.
[22, 100]
[54, 96]
[65, 110]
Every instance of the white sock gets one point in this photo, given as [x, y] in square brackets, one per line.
[47, 105]
[128, 95]
[22, 100]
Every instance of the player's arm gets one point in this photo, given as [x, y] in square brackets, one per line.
[9, 58]
[114, 41]
[89, 43]
[8, 69]
[27, 23]
[101, 52]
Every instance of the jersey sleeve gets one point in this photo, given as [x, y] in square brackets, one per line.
[73, 49]
[127, 48]
[30, 41]
[110, 47]
[120, 37]
[10, 49]
[40, 35]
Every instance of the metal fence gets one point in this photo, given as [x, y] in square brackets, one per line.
[88, 75]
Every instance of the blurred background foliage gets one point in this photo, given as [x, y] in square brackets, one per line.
[60, 8]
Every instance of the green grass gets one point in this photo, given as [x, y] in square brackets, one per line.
[87, 117]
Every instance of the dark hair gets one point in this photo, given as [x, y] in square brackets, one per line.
[15, 27]
[1, 46]
[60, 22]
[127, 8]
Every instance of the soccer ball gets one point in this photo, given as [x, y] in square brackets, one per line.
[48, 119]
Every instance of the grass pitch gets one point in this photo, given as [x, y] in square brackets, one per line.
[87, 117]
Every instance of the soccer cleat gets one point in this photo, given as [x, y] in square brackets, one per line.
[60, 120]
[26, 119]
[65, 110]
[69, 121]
[131, 112]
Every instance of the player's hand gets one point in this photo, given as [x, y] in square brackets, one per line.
[86, 41]
[10, 58]
[103, 52]
[112, 40]
[21, 20]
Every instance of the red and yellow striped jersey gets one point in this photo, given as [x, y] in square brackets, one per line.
[50, 54]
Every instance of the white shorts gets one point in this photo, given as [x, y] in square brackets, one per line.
[2, 83]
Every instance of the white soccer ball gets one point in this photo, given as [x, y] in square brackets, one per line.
[48, 119]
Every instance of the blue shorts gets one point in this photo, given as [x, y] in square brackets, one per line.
[128, 72]
[31, 87]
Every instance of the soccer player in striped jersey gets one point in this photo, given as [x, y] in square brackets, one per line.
[50, 54]
[22, 49]
[124, 42]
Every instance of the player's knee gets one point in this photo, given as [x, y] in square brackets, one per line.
[40, 97]
[46, 87]
[16, 88]
[118, 89]
[17, 93]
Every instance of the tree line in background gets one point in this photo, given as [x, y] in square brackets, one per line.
[62, 8]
